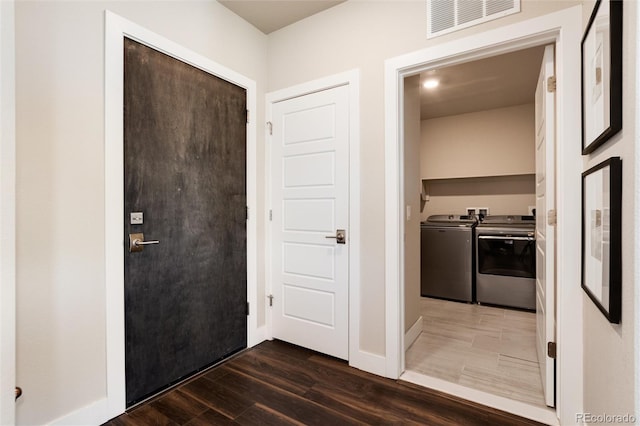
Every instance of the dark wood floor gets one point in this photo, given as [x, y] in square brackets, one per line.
[276, 383]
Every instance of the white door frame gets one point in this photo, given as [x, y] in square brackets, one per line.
[7, 214]
[564, 28]
[351, 78]
[116, 28]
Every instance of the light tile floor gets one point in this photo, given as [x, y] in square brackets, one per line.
[481, 347]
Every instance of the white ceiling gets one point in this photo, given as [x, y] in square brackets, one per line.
[271, 15]
[496, 82]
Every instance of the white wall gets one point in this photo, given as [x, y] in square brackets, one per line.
[502, 195]
[611, 351]
[493, 150]
[362, 34]
[493, 142]
[412, 189]
[60, 181]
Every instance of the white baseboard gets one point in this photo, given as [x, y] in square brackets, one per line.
[257, 336]
[369, 362]
[413, 333]
[95, 413]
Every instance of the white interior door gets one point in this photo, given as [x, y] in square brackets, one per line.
[545, 232]
[310, 202]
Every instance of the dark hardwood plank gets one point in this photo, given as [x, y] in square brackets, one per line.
[123, 420]
[285, 375]
[179, 407]
[286, 351]
[259, 415]
[220, 370]
[349, 390]
[303, 371]
[276, 383]
[286, 403]
[218, 396]
[211, 417]
[387, 399]
[353, 407]
[146, 415]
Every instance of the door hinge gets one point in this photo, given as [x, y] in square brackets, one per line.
[247, 308]
[247, 116]
[552, 217]
[270, 214]
[247, 212]
[18, 392]
[270, 297]
[551, 350]
[270, 127]
[551, 84]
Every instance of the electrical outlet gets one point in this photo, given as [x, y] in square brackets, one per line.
[484, 211]
[471, 211]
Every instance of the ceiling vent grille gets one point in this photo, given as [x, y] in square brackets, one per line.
[446, 16]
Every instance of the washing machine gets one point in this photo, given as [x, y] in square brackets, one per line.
[447, 257]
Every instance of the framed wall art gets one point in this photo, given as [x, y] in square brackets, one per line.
[601, 236]
[602, 75]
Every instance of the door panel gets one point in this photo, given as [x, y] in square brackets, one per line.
[310, 181]
[184, 155]
[309, 170]
[310, 125]
[296, 260]
[312, 215]
[545, 232]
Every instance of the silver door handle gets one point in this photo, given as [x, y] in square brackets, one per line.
[137, 242]
[145, 243]
[341, 236]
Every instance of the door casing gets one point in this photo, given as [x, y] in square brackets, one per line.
[116, 29]
[357, 358]
[7, 214]
[564, 29]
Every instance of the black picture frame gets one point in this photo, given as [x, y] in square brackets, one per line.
[602, 237]
[601, 76]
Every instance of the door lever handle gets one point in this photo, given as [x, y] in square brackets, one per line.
[137, 242]
[341, 236]
[145, 243]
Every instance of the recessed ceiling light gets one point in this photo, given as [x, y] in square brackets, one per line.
[432, 83]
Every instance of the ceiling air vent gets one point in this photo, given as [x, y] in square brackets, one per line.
[446, 16]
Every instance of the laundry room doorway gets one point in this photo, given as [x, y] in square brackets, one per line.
[478, 146]
[562, 29]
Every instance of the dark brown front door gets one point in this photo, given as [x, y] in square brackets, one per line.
[184, 156]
